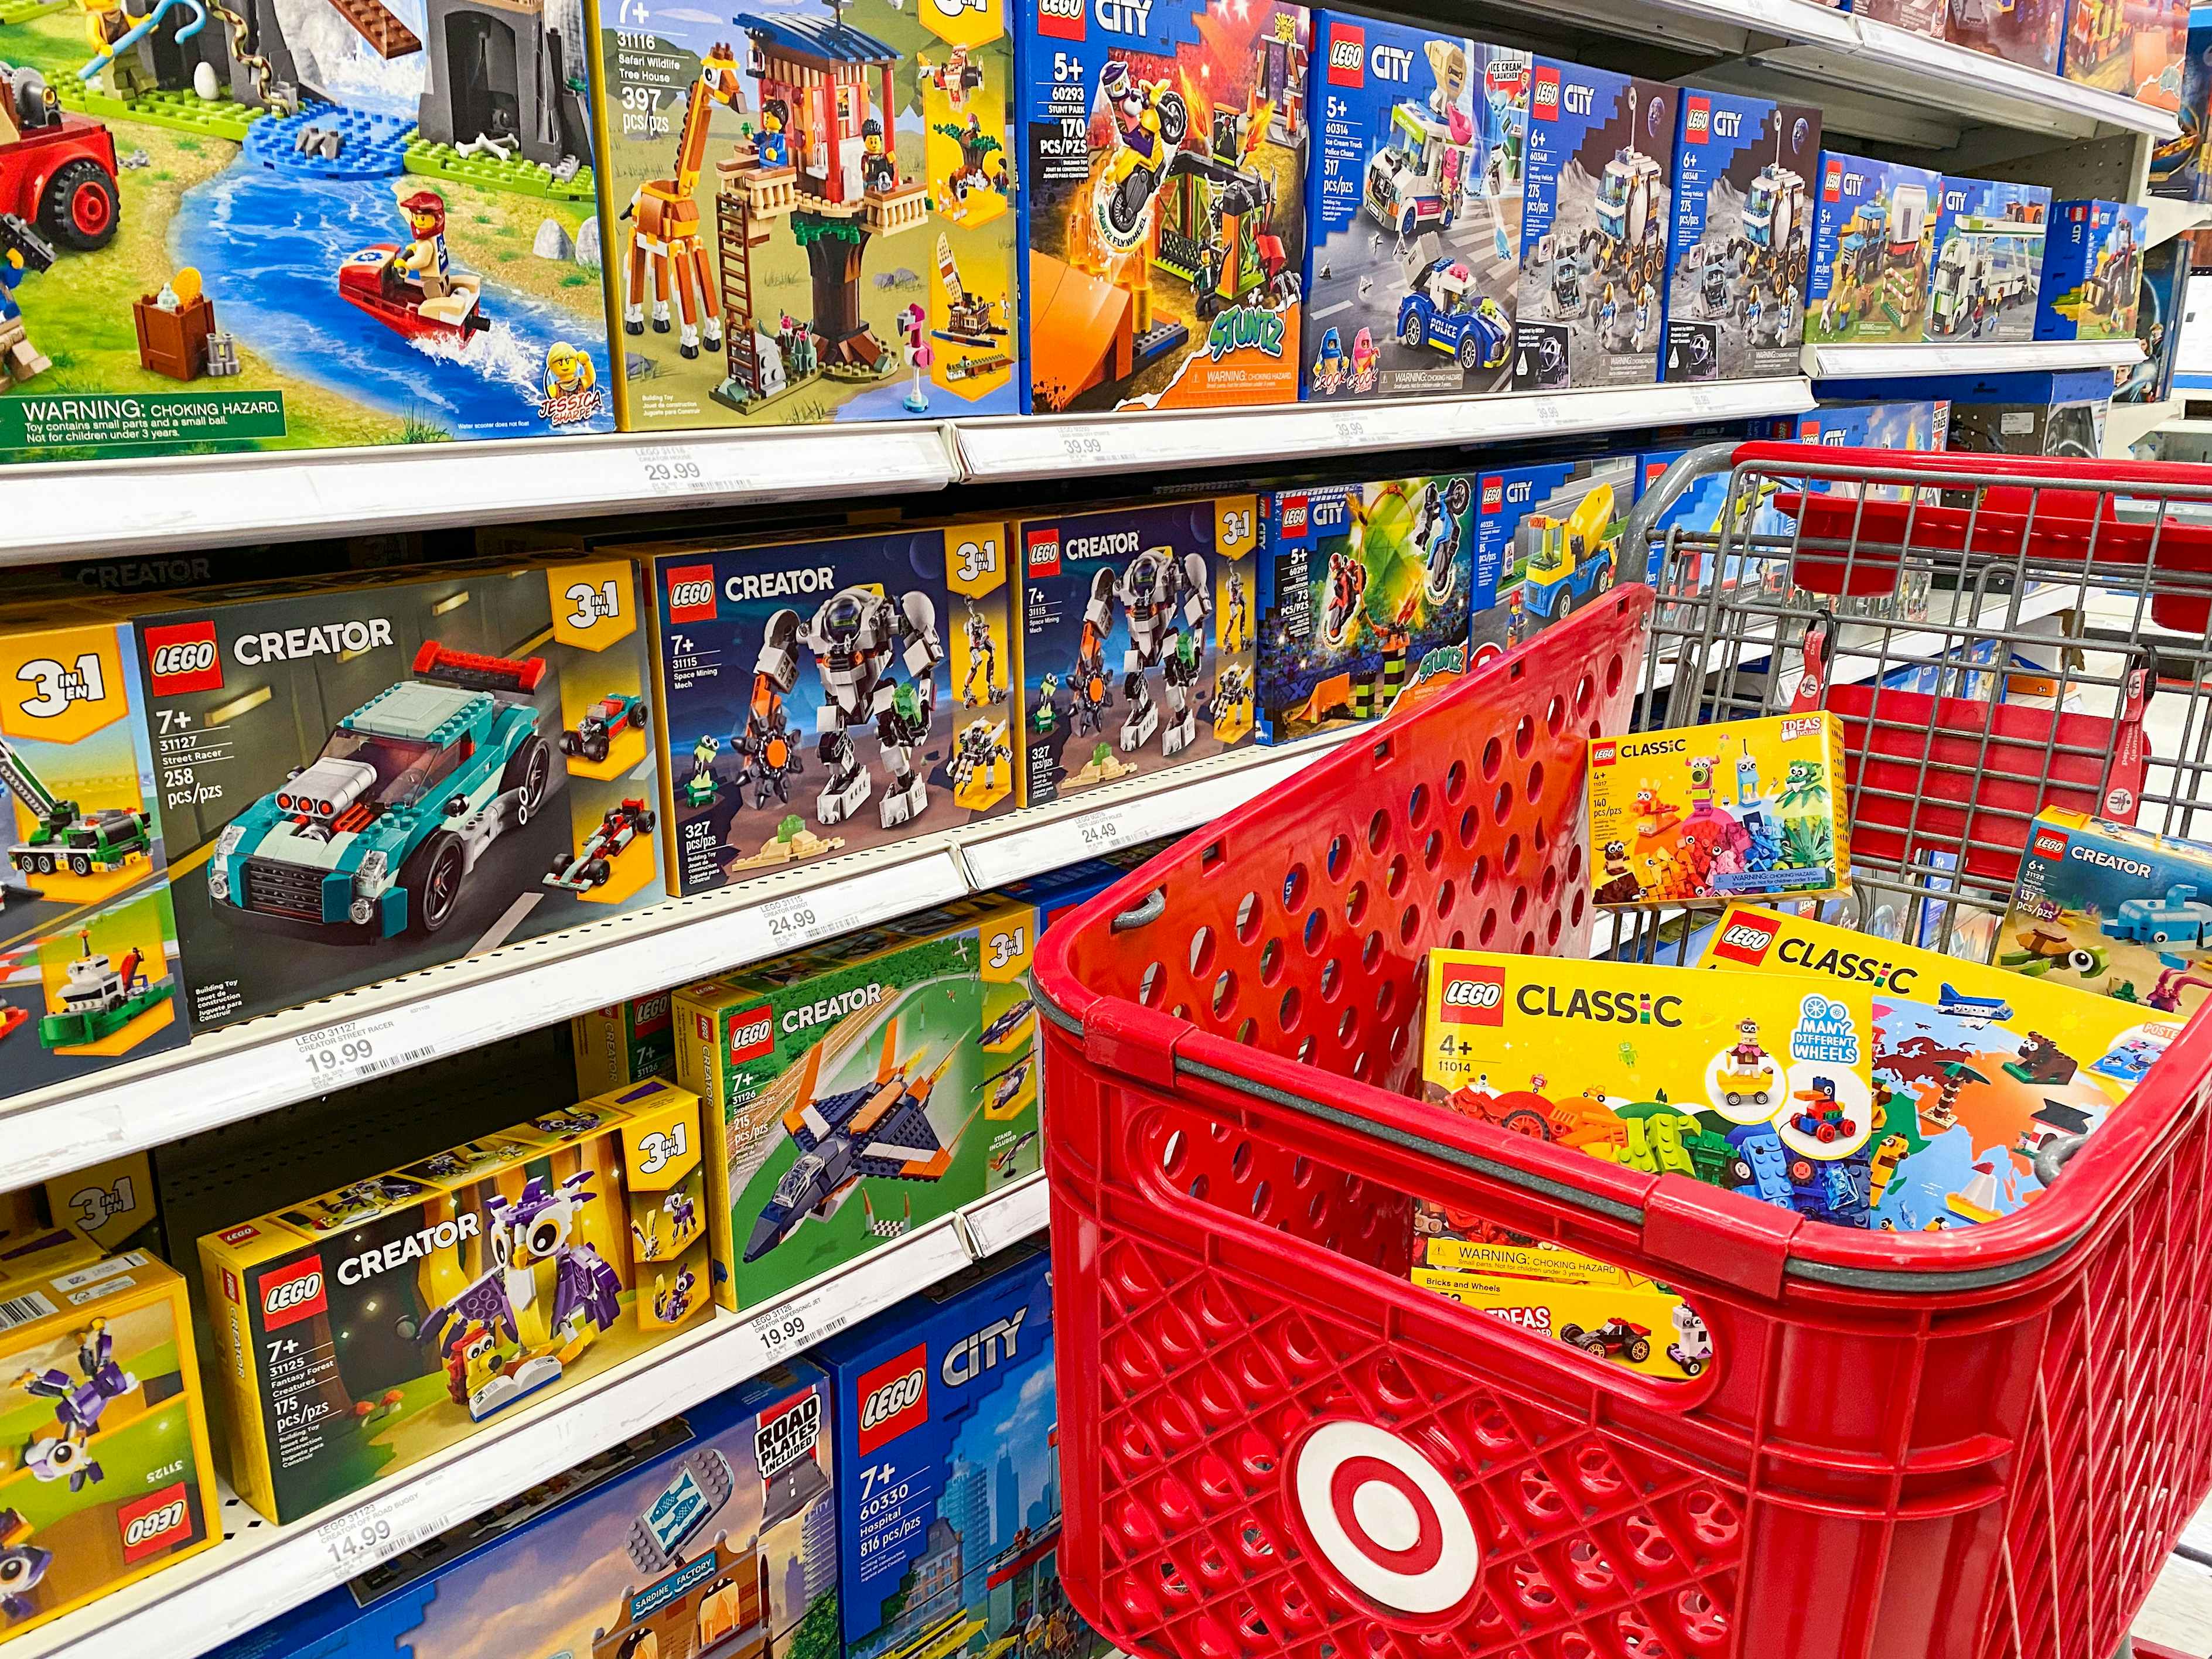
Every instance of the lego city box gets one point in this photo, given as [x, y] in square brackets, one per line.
[1988, 260]
[810, 211]
[952, 1542]
[273, 232]
[1134, 648]
[1163, 203]
[1741, 238]
[1414, 201]
[2113, 909]
[1594, 214]
[1364, 589]
[1546, 542]
[2091, 271]
[1874, 236]
[1702, 814]
[110, 1478]
[363, 1330]
[365, 779]
[87, 933]
[850, 1097]
[1976, 1069]
[830, 693]
[712, 1533]
[622, 1043]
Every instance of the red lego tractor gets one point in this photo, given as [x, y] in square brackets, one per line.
[57, 170]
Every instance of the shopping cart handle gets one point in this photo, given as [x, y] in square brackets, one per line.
[1149, 908]
[2051, 1158]
[1687, 468]
[1957, 468]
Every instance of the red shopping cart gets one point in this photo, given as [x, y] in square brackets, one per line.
[1970, 1445]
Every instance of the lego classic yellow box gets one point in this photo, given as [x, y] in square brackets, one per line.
[1705, 814]
[359, 1332]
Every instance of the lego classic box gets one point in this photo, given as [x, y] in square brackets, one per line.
[1593, 225]
[220, 262]
[953, 1543]
[1364, 589]
[109, 1478]
[1874, 232]
[87, 931]
[713, 1533]
[360, 1331]
[1741, 237]
[1414, 200]
[361, 780]
[1135, 647]
[837, 693]
[1988, 260]
[2114, 910]
[810, 211]
[2091, 271]
[851, 1095]
[1163, 203]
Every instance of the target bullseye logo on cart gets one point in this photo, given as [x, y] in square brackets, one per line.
[1382, 1515]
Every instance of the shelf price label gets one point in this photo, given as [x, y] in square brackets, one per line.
[802, 919]
[373, 1532]
[1350, 429]
[354, 1050]
[672, 469]
[1101, 834]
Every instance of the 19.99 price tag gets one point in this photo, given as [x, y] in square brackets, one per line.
[354, 1050]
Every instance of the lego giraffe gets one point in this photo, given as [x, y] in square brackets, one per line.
[664, 228]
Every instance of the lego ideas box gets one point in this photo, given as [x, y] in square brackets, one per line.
[1364, 589]
[1593, 226]
[1163, 203]
[1874, 235]
[363, 1330]
[810, 211]
[214, 261]
[1988, 260]
[87, 931]
[371, 780]
[1547, 540]
[1414, 200]
[1135, 648]
[714, 1532]
[855, 1094]
[1741, 237]
[2091, 271]
[953, 1536]
[834, 693]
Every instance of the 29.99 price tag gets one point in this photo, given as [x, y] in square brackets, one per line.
[672, 469]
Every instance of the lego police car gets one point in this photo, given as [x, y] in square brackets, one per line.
[1443, 311]
[376, 836]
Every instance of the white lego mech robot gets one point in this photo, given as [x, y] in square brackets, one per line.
[1162, 595]
[982, 659]
[858, 638]
[1232, 623]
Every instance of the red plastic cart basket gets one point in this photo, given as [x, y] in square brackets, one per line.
[1957, 1446]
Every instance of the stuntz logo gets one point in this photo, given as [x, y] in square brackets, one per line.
[1060, 20]
[295, 1293]
[1347, 55]
[1242, 328]
[894, 1397]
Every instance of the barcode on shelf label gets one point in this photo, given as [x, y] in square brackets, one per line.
[355, 1050]
[24, 1309]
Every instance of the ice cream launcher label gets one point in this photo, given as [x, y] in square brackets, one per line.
[1976, 1070]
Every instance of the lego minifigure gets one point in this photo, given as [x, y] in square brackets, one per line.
[772, 149]
[108, 26]
[879, 170]
[424, 259]
[568, 371]
[22, 251]
[982, 659]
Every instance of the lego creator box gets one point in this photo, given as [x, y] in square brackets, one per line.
[622, 1043]
[109, 1477]
[1163, 203]
[830, 693]
[1976, 1069]
[1363, 590]
[1414, 199]
[1547, 541]
[363, 781]
[218, 261]
[2134, 46]
[88, 937]
[362, 1331]
[2114, 910]
[1707, 814]
[713, 1533]
[810, 211]
[848, 1101]
[1874, 236]
[2031, 33]
[2092, 270]
[951, 1543]
[1988, 260]
[1135, 648]
[1593, 225]
[1741, 237]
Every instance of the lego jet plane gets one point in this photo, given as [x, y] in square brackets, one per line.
[1975, 1011]
[882, 1129]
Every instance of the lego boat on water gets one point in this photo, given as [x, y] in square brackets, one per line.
[371, 281]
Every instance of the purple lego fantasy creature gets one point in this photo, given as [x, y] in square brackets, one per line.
[78, 1406]
[22, 1565]
[531, 1232]
[682, 1211]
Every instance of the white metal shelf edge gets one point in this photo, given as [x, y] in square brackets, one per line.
[258, 1573]
[1847, 361]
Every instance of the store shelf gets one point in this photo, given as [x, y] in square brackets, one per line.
[260, 1571]
[2127, 425]
[401, 1023]
[1881, 361]
[2169, 219]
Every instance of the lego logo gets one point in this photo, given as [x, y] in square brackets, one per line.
[2050, 843]
[1294, 515]
[1603, 754]
[291, 1294]
[1697, 120]
[1043, 553]
[692, 594]
[1832, 182]
[752, 1033]
[183, 658]
[155, 1521]
[1062, 20]
[1493, 495]
[1473, 996]
[895, 1397]
[1385, 1520]
[146, 1528]
[902, 1395]
[1474, 993]
[1347, 56]
[1746, 940]
[1544, 95]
